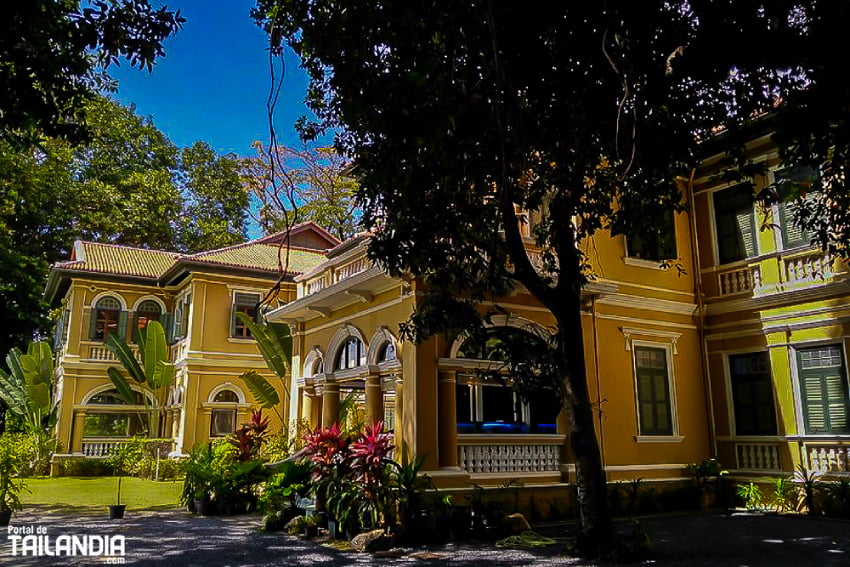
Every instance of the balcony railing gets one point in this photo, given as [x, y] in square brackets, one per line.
[100, 352]
[776, 273]
[828, 458]
[510, 456]
[739, 280]
[350, 269]
[101, 447]
[758, 456]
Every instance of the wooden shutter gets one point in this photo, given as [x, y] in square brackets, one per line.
[167, 322]
[654, 407]
[93, 324]
[824, 390]
[791, 182]
[734, 223]
[122, 324]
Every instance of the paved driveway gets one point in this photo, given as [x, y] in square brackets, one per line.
[176, 538]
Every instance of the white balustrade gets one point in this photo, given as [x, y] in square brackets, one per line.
[352, 268]
[316, 285]
[504, 458]
[828, 459]
[100, 447]
[738, 281]
[101, 352]
[808, 269]
[758, 456]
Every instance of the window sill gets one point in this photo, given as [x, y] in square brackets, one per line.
[239, 339]
[659, 265]
[659, 438]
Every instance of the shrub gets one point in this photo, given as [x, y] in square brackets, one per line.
[84, 467]
[837, 497]
[752, 495]
[784, 496]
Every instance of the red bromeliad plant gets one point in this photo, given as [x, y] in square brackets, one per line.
[370, 455]
[249, 438]
[327, 448]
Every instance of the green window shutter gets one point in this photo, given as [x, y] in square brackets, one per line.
[122, 324]
[93, 324]
[734, 223]
[823, 383]
[167, 322]
[654, 404]
[791, 183]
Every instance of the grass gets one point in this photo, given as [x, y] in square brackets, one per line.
[99, 492]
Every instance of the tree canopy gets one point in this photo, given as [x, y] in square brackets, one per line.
[128, 185]
[55, 54]
[583, 113]
[298, 185]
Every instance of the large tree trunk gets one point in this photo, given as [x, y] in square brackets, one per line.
[597, 533]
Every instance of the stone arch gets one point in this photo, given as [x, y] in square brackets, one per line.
[345, 332]
[113, 294]
[381, 337]
[107, 387]
[506, 321]
[227, 386]
[153, 298]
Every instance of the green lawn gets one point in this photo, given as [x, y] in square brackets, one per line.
[136, 493]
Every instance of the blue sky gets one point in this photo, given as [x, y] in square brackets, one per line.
[213, 83]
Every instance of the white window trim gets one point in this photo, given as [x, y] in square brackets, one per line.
[795, 379]
[671, 387]
[153, 298]
[715, 249]
[730, 395]
[113, 294]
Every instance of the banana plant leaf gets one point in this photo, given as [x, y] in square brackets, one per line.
[156, 349]
[162, 376]
[42, 357]
[12, 394]
[274, 342]
[121, 385]
[261, 389]
[126, 358]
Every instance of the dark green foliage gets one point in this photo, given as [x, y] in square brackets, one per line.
[55, 53]
[127, 185]
[581, 113]
[837, 497]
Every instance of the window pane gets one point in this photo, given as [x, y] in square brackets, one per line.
[223, 422]
[654, 408]
[734, 223]
[658, 244]
[823, 382]
[752, 394]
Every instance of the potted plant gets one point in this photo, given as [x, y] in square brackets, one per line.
[13, 458]
[703, 473]
[119, 460]
[311, 527]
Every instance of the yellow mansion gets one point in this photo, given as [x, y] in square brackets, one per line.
[741, 355]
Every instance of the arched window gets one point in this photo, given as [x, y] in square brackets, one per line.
[489, 404]
[352, 354]
[223, 416]
[147, 311]
[387, 352]
[226, 396]
[107, 318]
[113, 422]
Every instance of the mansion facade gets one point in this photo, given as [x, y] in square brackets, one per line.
[741, 354]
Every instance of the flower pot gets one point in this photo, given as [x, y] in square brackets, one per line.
[5, 517]
[332, 529]
[311, 531]
[116, 511]
[205, 507]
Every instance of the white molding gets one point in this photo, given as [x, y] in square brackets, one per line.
[511, 320]
[381, 337]
[648, 304]
[648, 264]
[345, 331]
[649, 467]
[635, 320]
[110, 386]
[673, 338]
[227, 386]
[659, 438]
[154, 298]
[671, 386]
[108, 293]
